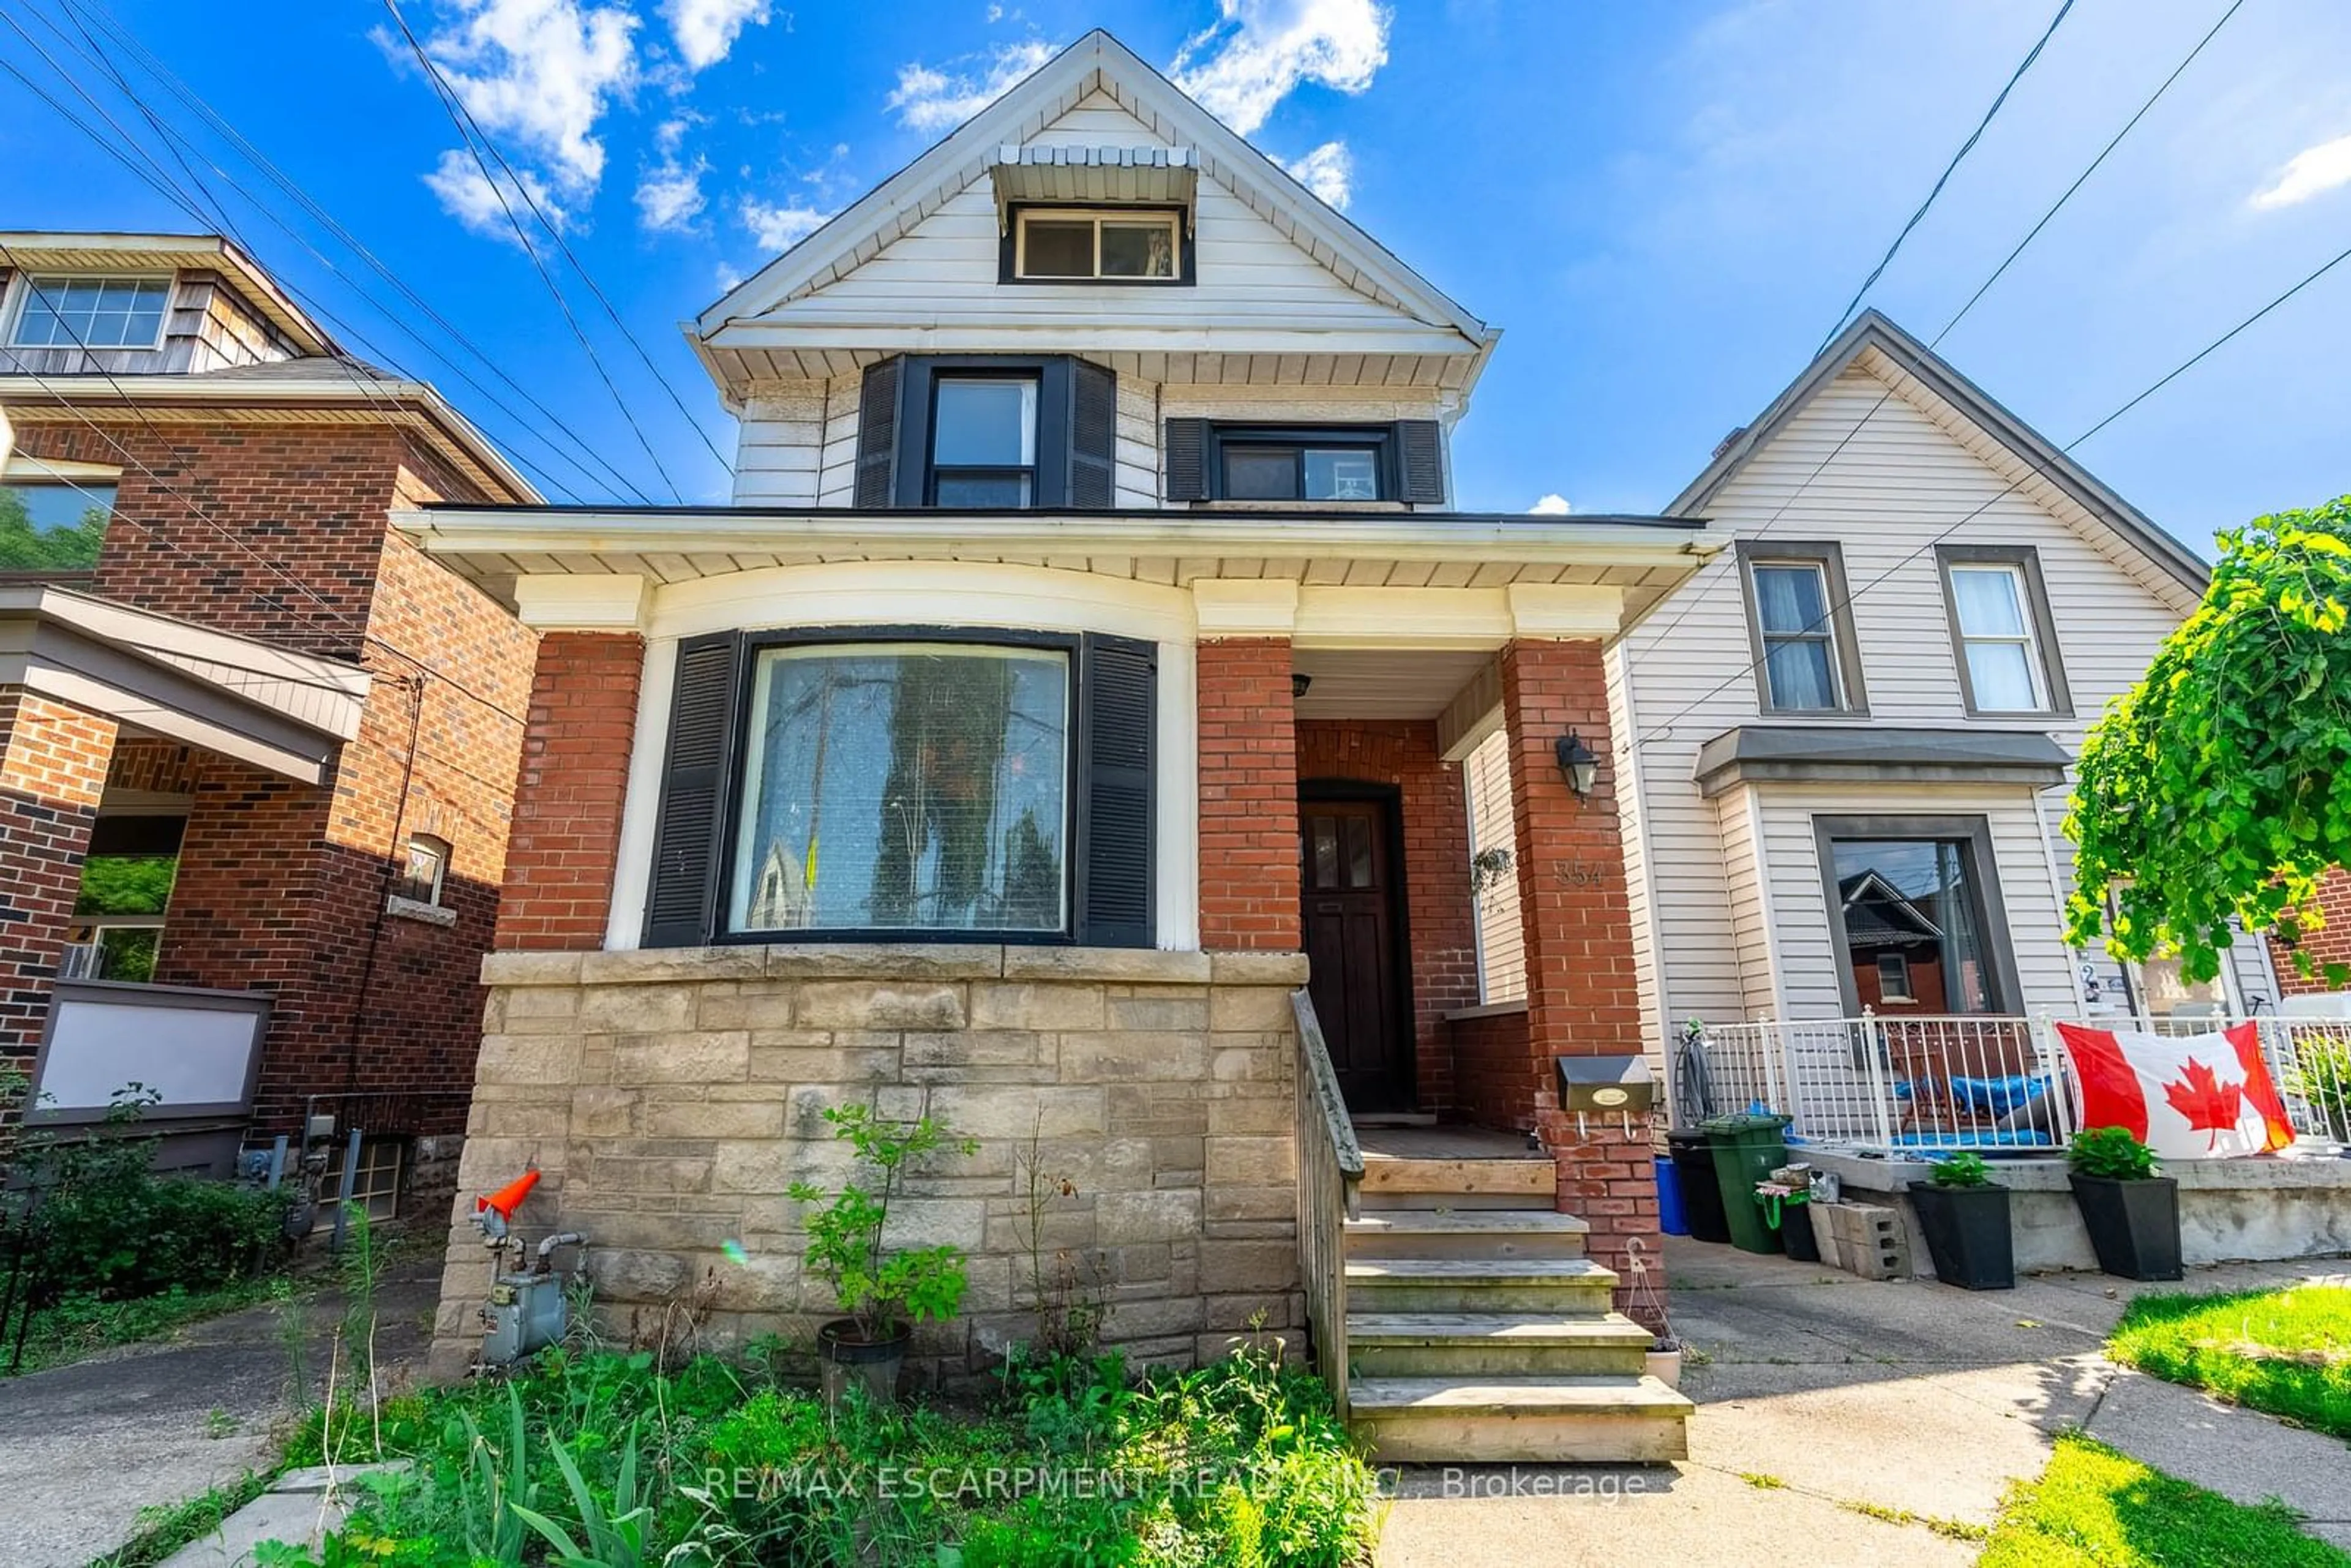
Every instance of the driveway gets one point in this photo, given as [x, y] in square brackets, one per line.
[84, 1448]
[1839, 1416]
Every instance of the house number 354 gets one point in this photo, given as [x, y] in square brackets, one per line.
[1578, 874]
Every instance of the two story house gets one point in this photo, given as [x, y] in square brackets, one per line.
[1851, 734]
[257, 752]
[1092, 641]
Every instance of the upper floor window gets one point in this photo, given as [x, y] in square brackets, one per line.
[1999, 628]
[1075, 244]
[1800, 625]
[983, 441]
[53, 525]
[68, 312]
[1325, 466]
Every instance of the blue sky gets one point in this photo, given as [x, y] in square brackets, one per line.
[1664, 206]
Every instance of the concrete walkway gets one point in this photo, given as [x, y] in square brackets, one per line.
[85, 1449]
[1830, 1408]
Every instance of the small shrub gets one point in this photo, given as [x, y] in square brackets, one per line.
[2110, 1153]
[1965, 1168]
[880, 1289]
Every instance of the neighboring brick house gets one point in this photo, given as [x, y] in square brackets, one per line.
[1089, 659]
[271, 745]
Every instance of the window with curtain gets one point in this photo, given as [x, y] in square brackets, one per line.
[1792, 618]
[1914, 923]
[1997, 638]
[905, 787]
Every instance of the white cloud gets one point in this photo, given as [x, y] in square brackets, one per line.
[780, 225]
[728, 278]
[1260, 50]
[540, 72]
[1553, 505]
[669, 196]
[707, 29]
[474, 202]
[1328, 171]
[928, 100]
[2314, 172]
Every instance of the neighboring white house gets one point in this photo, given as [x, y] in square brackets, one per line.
[1853, 733]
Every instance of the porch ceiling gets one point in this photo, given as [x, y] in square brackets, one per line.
[1385, 683]
[154, 675]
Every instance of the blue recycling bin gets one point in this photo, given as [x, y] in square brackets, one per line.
[1671, 1219]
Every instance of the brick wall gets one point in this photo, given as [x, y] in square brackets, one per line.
[283, 887]
[2331, 943]
[575, 778]
[1440, 912]
[671, 1098]
[1248, 797]
[53, 764]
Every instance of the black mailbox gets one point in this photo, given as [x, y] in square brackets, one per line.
[1606, 1083]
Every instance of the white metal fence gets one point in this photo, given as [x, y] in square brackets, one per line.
[1985, 1082]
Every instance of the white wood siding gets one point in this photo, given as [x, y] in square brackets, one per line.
[1501, 939]
[1912, 469]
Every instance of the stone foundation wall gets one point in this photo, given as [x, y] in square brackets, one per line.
[671, 1097]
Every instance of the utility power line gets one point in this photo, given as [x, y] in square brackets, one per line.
[2037, 471]
[459, 120]
[1699, 597]
[1945, 177]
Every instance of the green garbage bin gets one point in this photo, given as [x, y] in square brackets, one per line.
[1747, 1149]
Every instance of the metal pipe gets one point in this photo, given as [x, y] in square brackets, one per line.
[349, 1183]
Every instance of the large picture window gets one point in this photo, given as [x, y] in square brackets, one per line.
[905, 787]
[1916, 912]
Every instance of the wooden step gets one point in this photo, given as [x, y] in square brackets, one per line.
[1531, 1420]
[1466, 1346]
[1466, 1233]
[1532, 1182]
[1561, 1287]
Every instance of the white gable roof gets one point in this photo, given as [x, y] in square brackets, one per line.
[2041, 468]
[1096, 94]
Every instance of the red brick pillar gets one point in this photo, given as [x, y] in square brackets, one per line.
[1580, 993]
[1248, 797]
[566, 842]
[53, 765]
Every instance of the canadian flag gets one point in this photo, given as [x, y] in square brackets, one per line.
[2187, 1097]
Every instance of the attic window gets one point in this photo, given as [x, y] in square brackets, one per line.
[1077, 243]
[68, 312]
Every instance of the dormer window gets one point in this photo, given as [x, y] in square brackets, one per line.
[1106, 245]
[70, 312]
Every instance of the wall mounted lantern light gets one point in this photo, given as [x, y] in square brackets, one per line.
[1297, 684]
[1578, 765]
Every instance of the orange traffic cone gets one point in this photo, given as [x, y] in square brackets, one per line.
[508, 1198]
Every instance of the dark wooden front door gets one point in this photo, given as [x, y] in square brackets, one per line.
[1351, 883]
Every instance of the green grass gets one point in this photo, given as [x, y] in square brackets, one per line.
[2094, 1508]
[79, 1327]
[2286, 1352]
[163, 1531]
[1949, 1528]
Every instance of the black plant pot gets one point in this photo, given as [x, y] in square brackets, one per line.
[1967, 1235]
[843, 1357]
[2134, 1224]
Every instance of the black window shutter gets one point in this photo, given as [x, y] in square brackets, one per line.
[682, 906]
[1183, 448]
[1117, 698]
[1420, 447]
[877, 432]
[1094, 435]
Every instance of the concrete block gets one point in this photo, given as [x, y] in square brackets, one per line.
[1284, 970]
[747, 1004]
[602, 1113]
[634, 1274]
[682, 1056]
[884, 961]
[529, 1059]
[1166, 1008]
[718, 1119]
[871, 1005]
[1127, 1056]
[647, 965]
[1138, 965]
[1032, 1004]
[1120, 1217]
[638, 1009]
[1018, 1112]
[1259, 1008]
[1252, 1162]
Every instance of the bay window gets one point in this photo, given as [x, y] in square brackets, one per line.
[906, 783]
